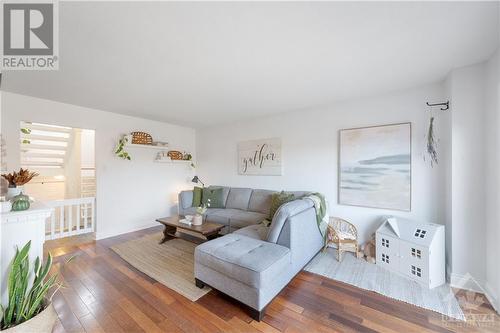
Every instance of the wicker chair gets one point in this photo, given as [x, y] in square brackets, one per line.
[344, 235]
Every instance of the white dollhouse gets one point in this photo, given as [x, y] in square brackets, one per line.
[413, 249]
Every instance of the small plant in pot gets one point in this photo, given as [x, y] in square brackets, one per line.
[29, 309]
[198, 218]
[17, 180]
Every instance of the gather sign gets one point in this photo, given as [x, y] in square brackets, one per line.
[260, 157]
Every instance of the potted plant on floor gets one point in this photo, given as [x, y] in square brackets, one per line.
[29, 307]
[17, 180]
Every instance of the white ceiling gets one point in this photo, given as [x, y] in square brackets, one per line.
[202, 63]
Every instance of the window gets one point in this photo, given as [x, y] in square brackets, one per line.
[420, 233]
[416, 271]
[416, 253]
[385, 242]
[385, 258]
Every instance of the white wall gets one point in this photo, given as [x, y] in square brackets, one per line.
[468, 168]
[472, 210]
[447, 164]
[130, 194]
[492, 178]
[310, 148]
[73, 165]
[88, 148]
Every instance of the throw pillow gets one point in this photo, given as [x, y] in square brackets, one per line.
[214, 194]
[278, 199]
[197, 191]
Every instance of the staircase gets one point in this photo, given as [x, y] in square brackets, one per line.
[88, 182]
[45, 149]
[43, 146]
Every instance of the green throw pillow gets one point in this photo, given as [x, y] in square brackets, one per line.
[214, 195]
[278, 199]
[197, 191]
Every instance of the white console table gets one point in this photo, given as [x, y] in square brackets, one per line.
[16, 229]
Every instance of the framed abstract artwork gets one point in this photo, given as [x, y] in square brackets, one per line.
[375, 167]
[260, 157]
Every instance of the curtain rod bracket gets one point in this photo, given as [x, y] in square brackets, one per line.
[444, 106]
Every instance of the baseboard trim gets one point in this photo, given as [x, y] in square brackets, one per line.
[461, 281]
[99, 236]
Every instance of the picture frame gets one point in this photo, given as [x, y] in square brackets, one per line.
[374, 168]
[260, 157]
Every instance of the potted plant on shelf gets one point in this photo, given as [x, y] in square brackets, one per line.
[17, 180]
[29, 310]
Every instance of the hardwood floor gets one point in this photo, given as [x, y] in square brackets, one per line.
[103, 293]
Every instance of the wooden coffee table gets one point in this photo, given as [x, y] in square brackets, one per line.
[171, 225]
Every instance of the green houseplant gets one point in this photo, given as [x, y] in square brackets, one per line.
[198, 218]
[29, 305]
[120, 148]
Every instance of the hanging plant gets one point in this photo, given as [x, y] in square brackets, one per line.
[431, 143]
[26, 131]
[120, 148]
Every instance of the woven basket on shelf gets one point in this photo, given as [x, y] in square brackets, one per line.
[175, 155]
[141, 138]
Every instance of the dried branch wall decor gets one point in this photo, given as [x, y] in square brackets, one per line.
[431, 143]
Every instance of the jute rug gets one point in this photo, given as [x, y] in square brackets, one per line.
[368, 276]
[171, 263]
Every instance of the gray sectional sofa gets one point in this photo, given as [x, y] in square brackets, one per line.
[242, 207]
[254, 262]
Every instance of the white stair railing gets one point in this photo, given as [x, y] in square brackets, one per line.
[71, 217]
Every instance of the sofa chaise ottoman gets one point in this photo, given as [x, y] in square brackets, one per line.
[254, 263]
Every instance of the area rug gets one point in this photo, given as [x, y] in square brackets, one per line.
[170, 263]
[368, 276]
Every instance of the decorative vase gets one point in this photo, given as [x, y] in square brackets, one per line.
[197, 219]
[20, 202]
[13, 191]
[42, 323]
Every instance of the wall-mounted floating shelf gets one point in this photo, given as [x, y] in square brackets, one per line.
[161, 151]
[134, 145]
[174, 161]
